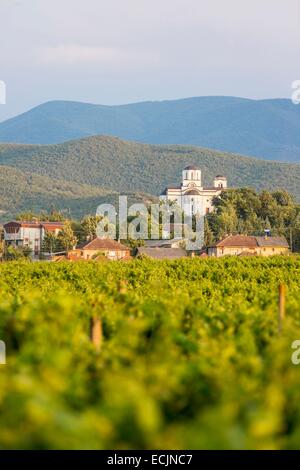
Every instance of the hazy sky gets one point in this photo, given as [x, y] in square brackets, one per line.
[119, 51]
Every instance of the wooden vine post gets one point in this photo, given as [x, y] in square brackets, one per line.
[281, 306]
[123, 287]
[96, 333]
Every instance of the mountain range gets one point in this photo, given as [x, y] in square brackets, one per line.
[266, 129]
[80, 174]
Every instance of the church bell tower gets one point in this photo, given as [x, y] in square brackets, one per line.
[191, 177]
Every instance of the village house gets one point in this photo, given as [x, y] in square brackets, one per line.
[161, 253]
[172, 243]
[111, 249]
[243, 245]
[29, 234]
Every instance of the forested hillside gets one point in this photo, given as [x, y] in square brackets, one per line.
[121, 166]
[21, 191]
[262, 128]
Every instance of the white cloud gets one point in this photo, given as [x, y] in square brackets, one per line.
[76, 54]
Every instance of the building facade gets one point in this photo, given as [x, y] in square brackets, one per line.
[191, 196]
[29, 234]
[111, 249]
[242, 245]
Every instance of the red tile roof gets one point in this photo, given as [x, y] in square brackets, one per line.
[39, 225]
[272, 241]
[53, 224]
[103, 244]
[238, 241]
[245, 241]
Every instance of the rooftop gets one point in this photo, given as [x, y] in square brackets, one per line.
[34, 224]
[163, 243]
[272, 241]
[162, 253]
[192, 192]
[238, 241]
[192, 167]
[99, 244]
[252, 241]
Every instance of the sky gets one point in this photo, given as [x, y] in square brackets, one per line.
[123, 51]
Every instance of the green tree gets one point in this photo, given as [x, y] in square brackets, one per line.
[50, 243]
[245, 211]
[89, 226]
[227, 221]
[16, 253]
[43, 216]
[208, 233]
[66, 238]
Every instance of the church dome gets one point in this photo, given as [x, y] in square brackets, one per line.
[192, 167]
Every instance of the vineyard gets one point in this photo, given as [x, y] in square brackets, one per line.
[190, 355]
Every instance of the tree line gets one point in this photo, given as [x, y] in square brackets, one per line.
[245, 211]
[236, 211]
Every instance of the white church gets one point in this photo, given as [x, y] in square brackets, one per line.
[191, 196]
